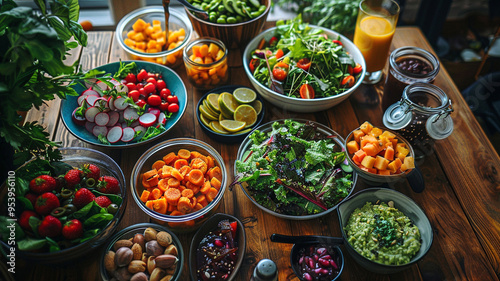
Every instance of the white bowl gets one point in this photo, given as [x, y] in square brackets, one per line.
[297, 104]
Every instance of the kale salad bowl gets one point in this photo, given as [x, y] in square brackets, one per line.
[294, 169]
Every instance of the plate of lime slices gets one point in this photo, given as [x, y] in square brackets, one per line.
[229, 113]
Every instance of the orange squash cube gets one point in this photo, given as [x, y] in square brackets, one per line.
[370, 149]
[368, 162]
[357, 134]
[394, 165]
[352, 147]
[381, 163]
[366, 127]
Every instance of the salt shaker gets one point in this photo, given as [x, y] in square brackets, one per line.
[266, 270]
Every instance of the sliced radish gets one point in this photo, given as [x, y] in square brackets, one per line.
[121, 88]
[120, 103]
[91, 100]
[135, 124]
[114, 82]
[128, 134]
[140, 130]
[147, 119]
[90, 82]
[79, 120]
[162, 119]
[90, 126]
[154, 111]
[80, 100]
[111, 103]
[101, 119]
[113, 118]
[100, 86]
[115, 134]
[91, 112]
[121, 119]
[99, 130]
[102, 103]
[90, 92]
[130, 114]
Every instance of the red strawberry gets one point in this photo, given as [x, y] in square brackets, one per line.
[91, 171]
[103, 201]
[72, 229]
[46, 202]
[24, 219]
[82, 197]
[42, 184]
[108, 185]
[73, 177]
[50, 227]
[32, 197]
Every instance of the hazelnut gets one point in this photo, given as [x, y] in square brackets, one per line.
[136, 266]
[165, 261]
[123, 256]
[140, 276]
[153, 248]
[164, 238]
[122, 243]
[139, 239]
[171, 250]
[150, 234]
[157, 274]
[109, 261]
[137, 250]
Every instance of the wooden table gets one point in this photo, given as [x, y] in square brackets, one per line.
[461, 199]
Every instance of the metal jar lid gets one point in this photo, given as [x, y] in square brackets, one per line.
[397, 116]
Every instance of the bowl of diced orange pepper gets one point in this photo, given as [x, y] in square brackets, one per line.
[179, 183]
[143, 36]
[381, 156]
[206, 63]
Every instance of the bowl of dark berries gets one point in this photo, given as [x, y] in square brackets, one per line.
[65, 208]
[217, 249]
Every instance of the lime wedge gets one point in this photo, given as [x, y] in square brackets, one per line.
[244, 95]
[257, 105]
[204, 120]
[227, 104]
[232, 125]
[245, 113]
[209, 110]
[213, 102]
[222, 117]
[215, 125]
[208, 115]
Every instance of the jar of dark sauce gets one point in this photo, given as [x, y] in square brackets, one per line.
[422, 116]
[407, 65]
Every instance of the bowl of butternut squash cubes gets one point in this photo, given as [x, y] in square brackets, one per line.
[379, 156]
[143, 36]
[179, 183]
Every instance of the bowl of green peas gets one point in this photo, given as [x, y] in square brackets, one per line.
[234, 22]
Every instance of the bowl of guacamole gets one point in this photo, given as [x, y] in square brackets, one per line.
[384, 230]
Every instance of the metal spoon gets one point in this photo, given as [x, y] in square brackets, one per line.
[305, 238]
[202, 14]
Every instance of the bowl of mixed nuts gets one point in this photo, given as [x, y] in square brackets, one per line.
[143, 252]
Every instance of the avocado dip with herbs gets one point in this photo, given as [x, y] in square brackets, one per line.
[383, 234]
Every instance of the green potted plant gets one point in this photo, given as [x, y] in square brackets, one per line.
[34, 47]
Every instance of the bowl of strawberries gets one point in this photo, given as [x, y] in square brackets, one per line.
[64, 209]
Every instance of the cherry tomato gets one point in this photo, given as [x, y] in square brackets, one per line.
[355, 70]
[154, 100]
[337, 42]
[160, 84]
[306, 91]
[142, 92]
[134, 94]
[151, 80]
[273, 40]
[254, 63]
[152, 75]
[164, 93]
[348, 81]
[164, 106]
[304, 63]
[149, 88]
[279, 53]
[280, 71]
[130, 78]
[131, 86]
[172, 99]
[142, 75]
[140, 103]
[173, 107]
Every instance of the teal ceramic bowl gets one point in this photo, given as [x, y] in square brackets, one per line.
[174, 83]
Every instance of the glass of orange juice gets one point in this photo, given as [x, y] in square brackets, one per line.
[375, 28]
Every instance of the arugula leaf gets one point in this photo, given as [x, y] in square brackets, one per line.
[31, 244]
[151, 132]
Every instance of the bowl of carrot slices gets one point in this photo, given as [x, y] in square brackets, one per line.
[179, 183]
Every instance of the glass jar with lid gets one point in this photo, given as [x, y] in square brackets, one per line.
[422, 116]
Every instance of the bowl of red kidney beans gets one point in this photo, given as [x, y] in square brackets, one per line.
[317, 260]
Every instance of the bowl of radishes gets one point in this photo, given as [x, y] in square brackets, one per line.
[130, 103]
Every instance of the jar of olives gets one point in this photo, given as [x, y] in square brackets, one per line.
[422, 116]
[407, 65]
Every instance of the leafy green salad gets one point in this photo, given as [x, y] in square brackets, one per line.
[301, 61]
[294, 169]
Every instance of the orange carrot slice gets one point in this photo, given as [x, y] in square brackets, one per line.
[145, 196]
[196, 177]
[184, 153]
[158, 165]
[211, 194]
[179, 163]
[198, 163]
[172, 195]
[215, 183]
[169, 158]
[187, 193]
[184, 205]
